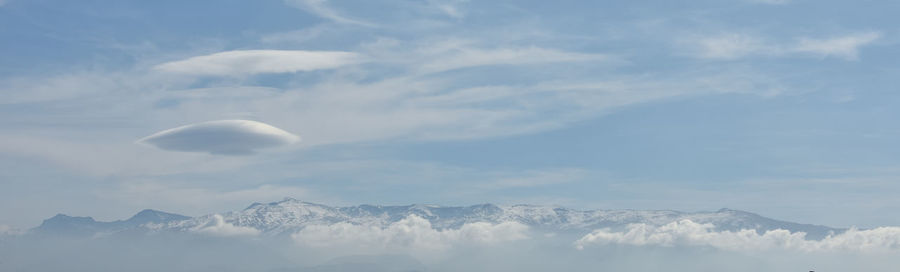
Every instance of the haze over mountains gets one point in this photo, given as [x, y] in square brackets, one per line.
[293, 235]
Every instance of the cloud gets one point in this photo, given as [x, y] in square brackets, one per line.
[736, 46]
[450, 8]
[321, 9]
[412, 233]
[731, 46]
[218, 227]
[846, 47]
[224, 137]
[472, 57]
[688, 233]
[250, 62]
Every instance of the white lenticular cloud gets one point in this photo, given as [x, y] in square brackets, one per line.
[218, 227]
[250, 62]
[688, 233]
[411, 233]
[224, 137]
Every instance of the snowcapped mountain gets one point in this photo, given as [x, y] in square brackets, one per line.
[291, 215]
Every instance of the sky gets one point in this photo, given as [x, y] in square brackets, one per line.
[785, 108]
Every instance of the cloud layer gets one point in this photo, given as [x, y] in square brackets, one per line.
[688, 233]
[224, 137]
[249, 62]
[411, 233]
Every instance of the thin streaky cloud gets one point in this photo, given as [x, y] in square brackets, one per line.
[472, 57]
[251, 62]
[737, 46]
[845, 47]
[320, 8]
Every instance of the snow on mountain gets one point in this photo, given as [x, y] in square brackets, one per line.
[291, 215]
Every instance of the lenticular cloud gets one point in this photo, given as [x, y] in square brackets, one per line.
[224, 137]
[688, 233]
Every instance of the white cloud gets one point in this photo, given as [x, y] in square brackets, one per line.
[688, 233]
[321, 9]
[450, 8]
[731, 46]
[472, 57]
[412, 233]
[218, 227]
[224, 137]
[736, 46]
[249, 62]
[846, 47]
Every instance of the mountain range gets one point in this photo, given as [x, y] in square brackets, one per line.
[291, 215]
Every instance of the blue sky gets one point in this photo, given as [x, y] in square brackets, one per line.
[781, 107]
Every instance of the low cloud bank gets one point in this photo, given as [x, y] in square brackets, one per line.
[689, 233]
[410, 233]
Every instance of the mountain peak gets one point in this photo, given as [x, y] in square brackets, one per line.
[154, 216]
[61, 223]
[65, 218]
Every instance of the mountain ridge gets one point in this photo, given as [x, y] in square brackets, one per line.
[291, 215]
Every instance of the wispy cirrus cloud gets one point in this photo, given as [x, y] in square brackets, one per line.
[320, 8]
[473, 57]
[250, 62]
[736, 46]
[845, 47]
[446, 54]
